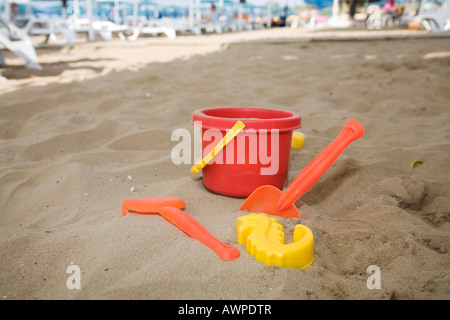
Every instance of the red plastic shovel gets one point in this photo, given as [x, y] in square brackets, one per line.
[270, 200]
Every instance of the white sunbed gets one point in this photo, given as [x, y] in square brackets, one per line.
[106, 29]
[81, 25]
[155, 28]
[52, 27]
[16, 41]
[180, 25]
[434, 18]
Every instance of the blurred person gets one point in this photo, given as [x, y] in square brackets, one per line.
[213, 12]
[352, 12]
[391, 11]
[14, 11]
[64, 9]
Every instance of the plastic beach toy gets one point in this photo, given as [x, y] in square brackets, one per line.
[150, 205]
[228, 137]
[264, 239]
[169, 208]
[298, 140]
[258, 156]
[194, 229]
[271, 200]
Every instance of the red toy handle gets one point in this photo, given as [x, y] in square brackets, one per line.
[315, 169]
[194, 229]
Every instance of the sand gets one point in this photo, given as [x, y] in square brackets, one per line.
[94, 128]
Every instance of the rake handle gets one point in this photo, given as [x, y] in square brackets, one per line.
[194, 229]
[351, 131]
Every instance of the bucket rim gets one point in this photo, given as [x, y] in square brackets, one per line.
[284, 121]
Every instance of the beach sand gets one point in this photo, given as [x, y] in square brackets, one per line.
[94, 128]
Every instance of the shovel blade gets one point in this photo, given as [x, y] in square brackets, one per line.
[150, 205]
[265, 200]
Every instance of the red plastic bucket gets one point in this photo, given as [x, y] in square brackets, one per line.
[257, 156]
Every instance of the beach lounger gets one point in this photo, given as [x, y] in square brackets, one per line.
[435, 18]
[16, 41]
[147, 27]
[180, 26]
[155, 28]
[105, 29]
[52, 27]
